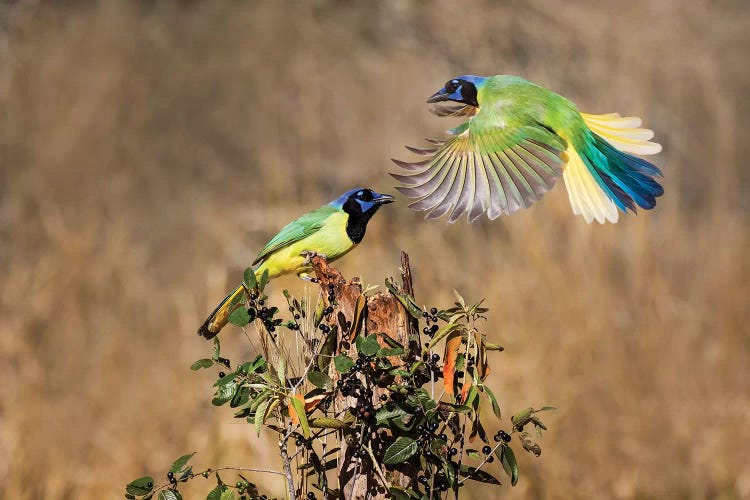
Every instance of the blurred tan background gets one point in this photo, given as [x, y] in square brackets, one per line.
[149, 149]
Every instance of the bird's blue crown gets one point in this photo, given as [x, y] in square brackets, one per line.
[339, 202]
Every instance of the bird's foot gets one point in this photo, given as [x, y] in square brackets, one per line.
[307, 277]
[309, 255]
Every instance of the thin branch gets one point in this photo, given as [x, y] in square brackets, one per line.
[287, 463]
[377, 468]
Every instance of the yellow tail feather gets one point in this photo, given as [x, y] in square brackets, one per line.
[220, 316]
[586, 197]
[623, 132]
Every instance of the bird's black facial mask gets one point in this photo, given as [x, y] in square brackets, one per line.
[457, 90]
[361, 206]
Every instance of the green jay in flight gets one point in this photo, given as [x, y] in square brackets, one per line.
[518, 140]
[331, 230]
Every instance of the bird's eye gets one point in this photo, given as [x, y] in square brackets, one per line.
[365, 195]
[451, 86]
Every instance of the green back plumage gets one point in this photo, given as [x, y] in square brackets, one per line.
[297, 230]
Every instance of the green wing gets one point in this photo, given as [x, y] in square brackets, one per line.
[488, 166]
[297, 230]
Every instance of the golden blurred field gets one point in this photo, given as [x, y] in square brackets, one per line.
[149, 149]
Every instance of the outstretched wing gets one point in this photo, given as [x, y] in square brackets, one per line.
[483, 169]
[297, 230]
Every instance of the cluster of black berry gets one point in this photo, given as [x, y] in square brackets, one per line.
[502, 436]
[297, 313]
[257, 309]
[350, 385]
[487, 450]
[431, 319]
[323, 326]
[225, 362]
[440, 483]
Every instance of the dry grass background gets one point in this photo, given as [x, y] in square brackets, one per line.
[148, 149]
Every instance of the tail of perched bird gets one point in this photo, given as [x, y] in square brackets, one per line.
[220, 316]
[601, 175]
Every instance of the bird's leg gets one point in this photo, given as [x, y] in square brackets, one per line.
[307, 277]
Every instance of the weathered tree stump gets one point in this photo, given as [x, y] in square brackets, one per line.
[380, 313]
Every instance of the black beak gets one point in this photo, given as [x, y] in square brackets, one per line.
[438, 96]
[384, 199]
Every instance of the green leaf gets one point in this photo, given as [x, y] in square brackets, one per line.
[478, 475]
[471, 396]
[508, 459]
[343, 363]
[401, 450]
[227, 495]
[369, 346]
[451, 470]
[327, 350]
[299, 409]
[179, 464]
[259, 398]
[263, 281]
[239, 317]
[523, 417]
[472, 453]
[318, 315]
[493, 400]
[444, 332]
[328, 423]
[216, 493]
[320, 380]
[281, 371]
[141, 486]
[240, 397]
[391, 351]
[225, 380]
[391, 342]
[459, 298]
[202, 363]
[260, 415]
[387, 412]
[493, 347]
[406, 300]
[249, 279]
[400, 372]
[217, 349]
[223, 394]
[257, 365]
[169, 495]
[547, 408]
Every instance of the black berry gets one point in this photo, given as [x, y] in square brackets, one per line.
[486, 450]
